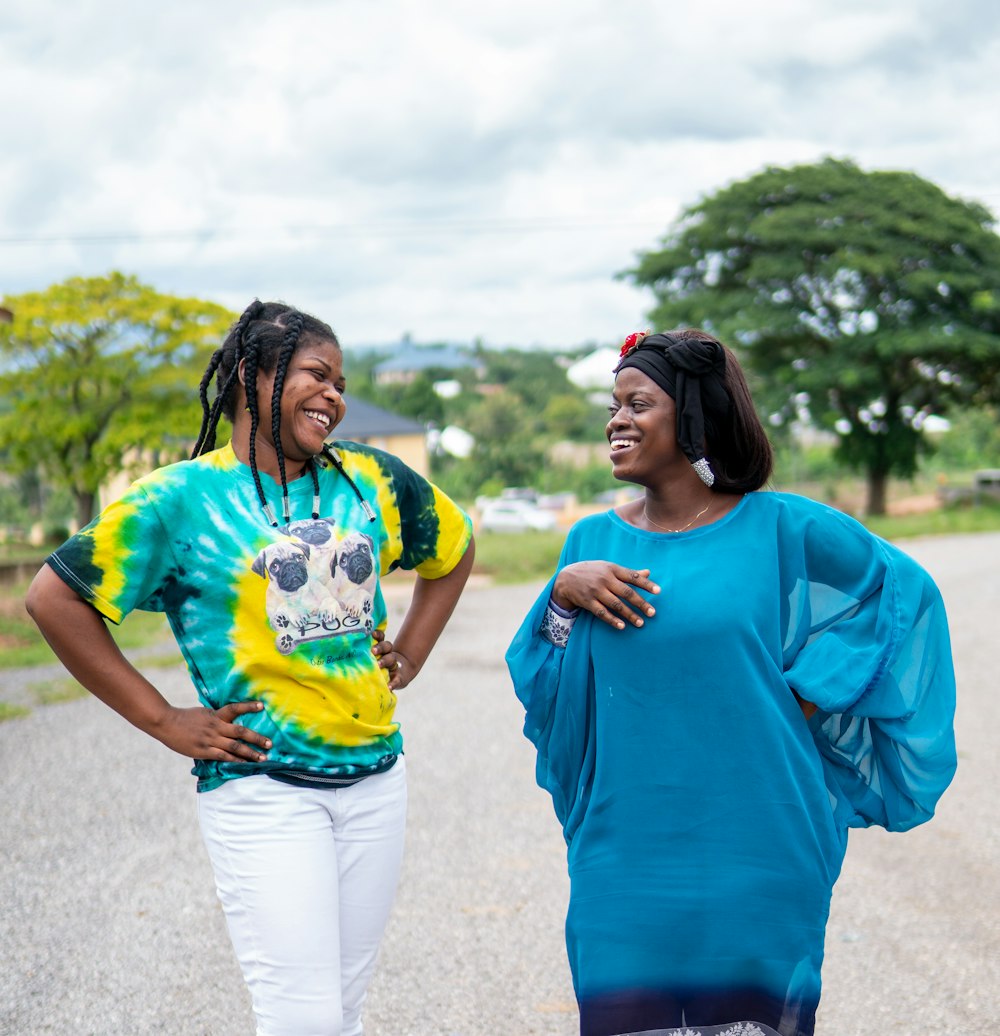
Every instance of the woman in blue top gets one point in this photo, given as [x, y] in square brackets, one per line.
[719, 683]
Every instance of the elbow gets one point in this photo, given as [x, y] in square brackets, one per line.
[464, 567]
[42, 594]
[33, 599]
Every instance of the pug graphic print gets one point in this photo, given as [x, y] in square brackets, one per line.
[318, 584]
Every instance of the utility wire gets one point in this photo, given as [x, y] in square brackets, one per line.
[520, 225]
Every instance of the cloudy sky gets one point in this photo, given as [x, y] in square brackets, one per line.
[449, 169]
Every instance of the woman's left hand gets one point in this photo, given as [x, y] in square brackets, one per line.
[398, 666]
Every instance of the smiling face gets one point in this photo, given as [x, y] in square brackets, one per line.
[642, 431]
[312, 401]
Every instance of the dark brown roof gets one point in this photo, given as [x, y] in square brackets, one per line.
[365, 420]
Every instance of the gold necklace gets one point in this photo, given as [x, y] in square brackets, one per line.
[684, 528]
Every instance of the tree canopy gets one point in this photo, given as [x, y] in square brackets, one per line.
[871, 299]
[93, 370]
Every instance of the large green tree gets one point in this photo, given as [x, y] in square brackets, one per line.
[871, 299]
[93, 370]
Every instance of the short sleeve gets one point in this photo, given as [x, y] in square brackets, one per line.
[434, 530]
[121, 561]
[867, 642]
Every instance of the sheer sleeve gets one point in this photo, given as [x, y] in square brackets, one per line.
[556, 687]
[867, 642]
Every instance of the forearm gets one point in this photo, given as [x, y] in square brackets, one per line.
[78, 635]
[430, 609]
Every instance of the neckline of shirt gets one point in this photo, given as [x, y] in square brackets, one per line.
[297, 486]
[701, 530]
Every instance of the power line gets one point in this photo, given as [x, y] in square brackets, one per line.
[401, 228]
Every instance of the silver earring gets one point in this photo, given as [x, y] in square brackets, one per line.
[705, 472]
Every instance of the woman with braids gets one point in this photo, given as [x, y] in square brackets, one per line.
[720, 683]
[265, 555]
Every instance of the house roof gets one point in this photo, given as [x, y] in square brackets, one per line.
[364, 420]
[421, 359]
[596, 370]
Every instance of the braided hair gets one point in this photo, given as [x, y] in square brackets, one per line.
[264, 338]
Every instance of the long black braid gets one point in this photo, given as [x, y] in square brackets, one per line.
[293, 332]
[206, 380]
[227, 356]
[250, 360]
[264, 338]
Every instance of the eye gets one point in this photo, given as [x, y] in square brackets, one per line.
[613, 409]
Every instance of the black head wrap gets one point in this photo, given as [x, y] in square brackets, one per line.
[692, 371]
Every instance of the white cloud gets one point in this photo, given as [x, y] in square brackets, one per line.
[449, 169]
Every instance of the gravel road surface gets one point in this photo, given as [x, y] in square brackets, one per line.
[109, 923]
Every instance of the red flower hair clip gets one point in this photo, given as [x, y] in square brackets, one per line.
[633, 341]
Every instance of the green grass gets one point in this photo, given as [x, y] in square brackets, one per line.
[531, 556]
[23, 553]
[164, 660]
[984, 517]
[21, 644]
[65, 688]
[517, 557]
[51, 692]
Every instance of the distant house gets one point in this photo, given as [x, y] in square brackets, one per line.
[411, 361]
[369, 424]
[596, 370]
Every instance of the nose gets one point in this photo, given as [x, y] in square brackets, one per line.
[617, 420]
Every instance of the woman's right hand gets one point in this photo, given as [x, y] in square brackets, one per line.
[201, 733]
[80, 637]
[606, 590]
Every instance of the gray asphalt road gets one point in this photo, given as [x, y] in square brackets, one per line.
[109, 923]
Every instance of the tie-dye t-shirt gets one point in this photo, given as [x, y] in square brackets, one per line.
[281, 616]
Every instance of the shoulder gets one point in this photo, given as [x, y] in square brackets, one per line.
[591, 529]
[183, 478]
[360, 458]
[591, 524]
[795, 509]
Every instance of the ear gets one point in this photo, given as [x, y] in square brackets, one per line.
[258, 564]
[240, 389]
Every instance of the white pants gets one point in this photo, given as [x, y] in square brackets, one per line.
[306, 878]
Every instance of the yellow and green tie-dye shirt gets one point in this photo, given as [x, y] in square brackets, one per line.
[281, 616]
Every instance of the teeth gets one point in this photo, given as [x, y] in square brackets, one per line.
[317, 416]
[621, 444]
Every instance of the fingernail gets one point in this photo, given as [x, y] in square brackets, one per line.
[650, 611]
[620, 625]
[267, 744]
[638, 622]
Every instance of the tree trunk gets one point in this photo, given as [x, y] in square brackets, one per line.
[878, 484]
[84, 506]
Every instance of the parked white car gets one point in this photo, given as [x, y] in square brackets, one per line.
[515, 516]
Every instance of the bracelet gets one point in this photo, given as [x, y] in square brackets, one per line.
[557, 624]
